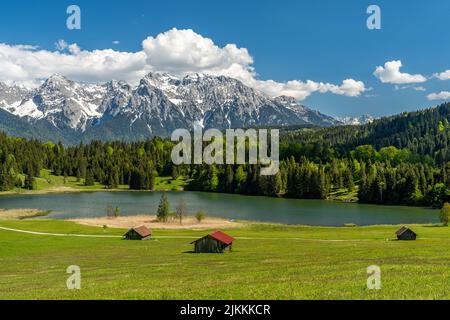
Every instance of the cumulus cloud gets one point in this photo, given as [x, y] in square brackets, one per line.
[184, 51]
[179, 52]
[23, 63]
[443, 75]
[390, 73]
[62, 45]
[443, 95]
[301, 90]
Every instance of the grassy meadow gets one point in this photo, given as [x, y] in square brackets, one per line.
[49, 183]
[267, 262]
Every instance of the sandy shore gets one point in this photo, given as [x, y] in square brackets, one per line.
[152, 222]
[21, 213]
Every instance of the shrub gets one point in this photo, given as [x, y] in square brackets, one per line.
[200, 216]
[444, 215]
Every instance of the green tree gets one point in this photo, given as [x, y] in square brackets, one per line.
[89, 179]
[348, 180]
[240, 177]
[163, 209]
[365, 153]
[181, 211]
[444, 215]
[30, 183]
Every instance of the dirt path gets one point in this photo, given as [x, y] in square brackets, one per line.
[59, 234]
[179, 237]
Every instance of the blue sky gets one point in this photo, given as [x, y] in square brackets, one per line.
[321, 41]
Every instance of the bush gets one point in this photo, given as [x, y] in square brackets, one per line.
[200, 216]
[444, 215]
[112, 212]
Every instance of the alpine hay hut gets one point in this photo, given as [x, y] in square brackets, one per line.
[405, 233]
[138, 233]
[216, 242]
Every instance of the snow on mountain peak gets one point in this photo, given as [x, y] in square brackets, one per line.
[161, 101]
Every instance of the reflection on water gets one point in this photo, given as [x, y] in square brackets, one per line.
[290, 211]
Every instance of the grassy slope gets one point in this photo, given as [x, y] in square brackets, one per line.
[34, 266]
[49, 182]
[344, 194]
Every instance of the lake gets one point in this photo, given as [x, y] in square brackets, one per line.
[287, 211]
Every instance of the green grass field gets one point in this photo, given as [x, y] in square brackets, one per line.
[343, 194]
[47, 182]
[267, 262]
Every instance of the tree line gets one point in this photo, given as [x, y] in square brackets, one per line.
[398, 160]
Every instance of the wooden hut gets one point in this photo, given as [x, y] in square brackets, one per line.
[138, 233]
[215, 242]
[405, 233]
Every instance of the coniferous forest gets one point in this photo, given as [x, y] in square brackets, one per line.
[403, 159]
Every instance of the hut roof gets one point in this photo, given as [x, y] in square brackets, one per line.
[222, 237]
[402, 230]
[219, 236]
[142, 230]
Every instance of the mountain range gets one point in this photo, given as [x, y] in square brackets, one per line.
[356, 121]
[70, 112]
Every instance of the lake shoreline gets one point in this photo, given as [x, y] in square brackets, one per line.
[22, 214]
[211, 223]
[92, 203]
[69, 190]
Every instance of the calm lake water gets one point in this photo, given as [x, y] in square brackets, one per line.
[288, 211]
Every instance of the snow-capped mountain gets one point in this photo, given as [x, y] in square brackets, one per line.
[12, 96]
[64, 103]
[159, 104]
[356, 121]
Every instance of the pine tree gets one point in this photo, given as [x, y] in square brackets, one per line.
[163, 209]
[30, 183]
[89, 179]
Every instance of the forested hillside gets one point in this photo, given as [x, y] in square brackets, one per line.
[397, 160]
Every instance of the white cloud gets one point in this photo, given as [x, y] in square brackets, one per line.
[443, 75]
[116, 42]
[443, 95]
[184, 51]
[19, 63]
[419, 88]
[390, 73]
[176, 51]
[61, 45]
[301, 90]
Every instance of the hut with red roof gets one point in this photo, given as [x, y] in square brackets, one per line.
[215, 242]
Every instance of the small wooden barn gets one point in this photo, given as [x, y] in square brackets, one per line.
[216, 242]
[405, 233]
[138, 233]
